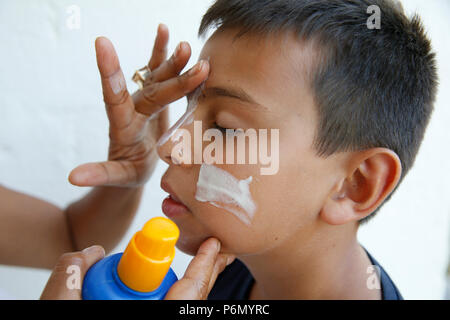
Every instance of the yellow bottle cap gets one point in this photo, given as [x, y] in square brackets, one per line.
[148, 256]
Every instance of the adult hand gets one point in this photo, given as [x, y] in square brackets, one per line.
[201, 273]
[57, 287]
[133, 130]
[196, 283]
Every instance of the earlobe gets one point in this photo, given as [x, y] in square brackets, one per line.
[337, 210]
[373, 175]
[338, 207]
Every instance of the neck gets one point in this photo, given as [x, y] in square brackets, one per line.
[329, 265]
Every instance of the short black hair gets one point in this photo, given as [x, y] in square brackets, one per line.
[373, 87]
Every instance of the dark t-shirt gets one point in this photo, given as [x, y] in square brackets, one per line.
[235, 283]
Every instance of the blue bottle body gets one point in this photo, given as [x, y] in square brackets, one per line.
[103, 283]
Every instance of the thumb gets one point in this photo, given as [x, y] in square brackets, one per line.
[107, 173]
[66, 280]
[200, 274]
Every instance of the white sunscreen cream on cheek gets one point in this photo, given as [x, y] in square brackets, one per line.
[223, 190]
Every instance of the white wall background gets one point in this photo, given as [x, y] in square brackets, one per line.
[52, 119]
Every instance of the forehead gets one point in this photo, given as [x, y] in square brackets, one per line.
[272, 69]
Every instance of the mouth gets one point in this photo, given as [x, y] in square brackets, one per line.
[172, 206]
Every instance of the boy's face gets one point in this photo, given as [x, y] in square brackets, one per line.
[273, 72]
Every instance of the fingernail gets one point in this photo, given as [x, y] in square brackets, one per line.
[217, 245]
[161, 26]
[92, 249]
[79, 177]
[177, 50]
[197, 68]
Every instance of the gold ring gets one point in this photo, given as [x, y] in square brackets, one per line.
[140, 76]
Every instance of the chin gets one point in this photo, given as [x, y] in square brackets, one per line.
[189, 245]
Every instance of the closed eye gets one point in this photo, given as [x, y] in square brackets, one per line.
[222, 129]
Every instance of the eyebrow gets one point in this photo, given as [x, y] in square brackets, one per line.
[232, 92]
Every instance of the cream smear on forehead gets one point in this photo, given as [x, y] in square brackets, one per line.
[187, 118]
[223, 190]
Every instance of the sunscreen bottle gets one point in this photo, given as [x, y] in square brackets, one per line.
[142, 272]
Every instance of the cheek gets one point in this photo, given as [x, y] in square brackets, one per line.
[283, 210]
[289, 202]
[207, 220]
[287, 205]
[233, 226]
[280, 213]
[235, 236]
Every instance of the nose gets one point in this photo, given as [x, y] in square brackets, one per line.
[164, 151]
[174, 147]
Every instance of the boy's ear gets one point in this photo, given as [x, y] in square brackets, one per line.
[372, 176]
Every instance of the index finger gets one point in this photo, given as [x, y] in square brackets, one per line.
[119, 104]
[155, 97]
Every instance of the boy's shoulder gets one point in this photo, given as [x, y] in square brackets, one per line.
[236, 281]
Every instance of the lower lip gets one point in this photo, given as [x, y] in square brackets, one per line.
[172, 208]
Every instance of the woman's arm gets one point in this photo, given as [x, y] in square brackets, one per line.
[34, 233]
